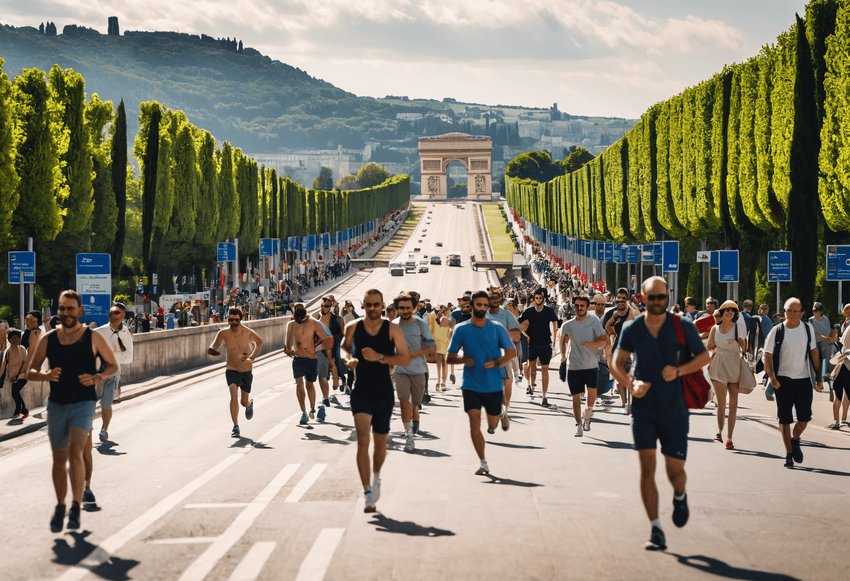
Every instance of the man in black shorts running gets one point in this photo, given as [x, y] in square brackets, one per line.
[305, 334]
[536, 321]
[379, 345]
[242, 345]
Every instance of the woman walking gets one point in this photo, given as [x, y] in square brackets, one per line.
[727, 349]
[442, 334]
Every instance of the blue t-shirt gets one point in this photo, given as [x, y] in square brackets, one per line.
[663, 399]
[481, 344]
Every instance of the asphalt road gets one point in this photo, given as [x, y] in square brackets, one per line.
[178, 498]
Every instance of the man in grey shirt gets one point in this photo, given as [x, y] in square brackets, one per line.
[511, 324]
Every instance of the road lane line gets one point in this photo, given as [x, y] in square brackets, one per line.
[217, 505]
[184, 541]
[306, 482]
[317, 561]
[202, 566]
[113, 543]
[253, 562]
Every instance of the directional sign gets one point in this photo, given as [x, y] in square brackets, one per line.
[647, 253]
[779, 266]
[609, 252]
[266, 247]
[703, 256]
[632, 254]
[326, 240]
[727, 266]
[21, 263]
[670, 256]
[838, 263]
[94, 283]
[620, 253]
[714, 260]
[600, 250]
[226, 252]
[275, 246]
[334, 238]
[658, 254]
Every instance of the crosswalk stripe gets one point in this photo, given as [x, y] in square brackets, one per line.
[252, 564]
[306, 483]
[317, 561]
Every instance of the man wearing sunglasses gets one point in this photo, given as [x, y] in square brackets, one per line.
[659, 410]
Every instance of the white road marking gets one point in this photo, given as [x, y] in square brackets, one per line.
[112, 544]
[218, 505]
[317, 561]
[253, 562]
[306, 482]
[202, 566]
[184, 541]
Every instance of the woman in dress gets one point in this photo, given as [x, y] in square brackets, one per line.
[442, 333]
[725, 368]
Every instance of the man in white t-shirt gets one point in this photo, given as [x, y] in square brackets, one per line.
[790, 365]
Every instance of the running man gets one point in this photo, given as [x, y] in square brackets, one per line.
[379, 345]
[410, 380]
[305, 365]
[243, 346]
[659, 411]
[613, 322]
[588, 337]
[71, 351]
[511, 325]
[487, 348]
[540, 322]
[335, 325]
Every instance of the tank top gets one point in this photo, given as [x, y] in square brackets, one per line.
[74, 360]
[372, 379]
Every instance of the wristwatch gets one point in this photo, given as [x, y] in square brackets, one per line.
[381, 358]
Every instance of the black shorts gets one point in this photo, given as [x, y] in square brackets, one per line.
[305, 367]
[541, 352]
[241, 379]
[380, 410]
[672, 433]
[491, 401]
[794, 394]
[523, 351]
[841, 385]
[578, 379]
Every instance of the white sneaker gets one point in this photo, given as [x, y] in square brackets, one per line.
[579, 433]
[483, 469]
[506, 421]
[587, 415]
[627, 410]
[370, 502]
[408, 444]
[376, 489]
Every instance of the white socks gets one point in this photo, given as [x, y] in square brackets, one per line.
[656, 523]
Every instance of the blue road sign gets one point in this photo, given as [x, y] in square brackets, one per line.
[226, 252]
[632, 254]
[715, 260]
[326, 240]
[275, 246]
[727, 266]
[600, 250]
[266, 247]
[779, 266]
[619, 253]
[609, 252]
[293, 243]
[838, 263]
[647, 253]
[94, 283]
[21, 262]
[350, 234]
[670, 256]
[334, 238]
[658, 254]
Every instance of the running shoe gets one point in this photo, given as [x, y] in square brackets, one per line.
[334, 400]
[235, 433]
[88, 496]
[796, 450]
[312, 414]
[376, 488]
[626, 410]
[452, 377]
[528, 390]
[304, 420]
[834, 426]
[74, 516]
[483, 469]
[588, 413]
[249, 411]
[322, 415]
[408, 443]
[491, 430]
[545, 403]
[370, 502]
[25, 415]
[58, 519]
[656, 541]
[506, 421]
[730, 445]
[789, 461]
[579, 433]
[326, 402]
[104, 435]
[680, 511]
[518, 377]
[719, 437]
[426, 398]
[444, 386]
[415, 426]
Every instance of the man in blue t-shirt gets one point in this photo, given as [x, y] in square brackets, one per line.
[659, 410]
[487, 348]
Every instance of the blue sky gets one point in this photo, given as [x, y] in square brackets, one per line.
[593, 57]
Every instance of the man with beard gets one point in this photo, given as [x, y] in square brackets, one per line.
[487, 348]
[659, 411]
[305, 365]
[71, 351]
[536, 321]
[242, 345]
[379, 345]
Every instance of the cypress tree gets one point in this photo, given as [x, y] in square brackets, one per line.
[98, 115]
[9, 180]
[209, 203]
[119, 183]
[149, 160]
[228, 225]
[186, 179]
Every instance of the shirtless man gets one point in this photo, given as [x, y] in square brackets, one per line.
[238, 341]
[305, 366]
[336, 324]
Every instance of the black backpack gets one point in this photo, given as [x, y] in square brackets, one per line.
[777, 348]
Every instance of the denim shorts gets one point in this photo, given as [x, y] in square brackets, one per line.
[62, 417]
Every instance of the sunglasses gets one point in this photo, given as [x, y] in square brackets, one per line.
[661, 297]
[372, 305]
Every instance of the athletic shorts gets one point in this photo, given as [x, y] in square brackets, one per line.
[241, 379]
[410, 387]
[491, 401]
[61, 418]
[794, 395]
[542, 352]
[523, 352]
[323, 365]
[580, 378]
[106, 390]
[672, 433]
[841, 385]
[305, 367]
[381, 412]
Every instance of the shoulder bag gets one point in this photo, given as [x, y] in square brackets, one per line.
[694, 385]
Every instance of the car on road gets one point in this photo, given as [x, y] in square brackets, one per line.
[453, 259]
[397, 269]
[440, 244]
[423, 268]
[436, 260]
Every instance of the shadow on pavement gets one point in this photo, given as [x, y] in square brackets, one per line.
[107, 448]
[509, 482]
[516, 446]
[324, 439]
[114, 569]
[411, 529]
[721, 569]
[826, 471]
[758, 454]
[608, 444]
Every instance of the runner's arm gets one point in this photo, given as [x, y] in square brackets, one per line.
[259, 346]
[213, 350]
[618, 368]
[347, 343]
[34, 370]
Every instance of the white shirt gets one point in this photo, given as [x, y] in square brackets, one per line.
[793, 357]
[111, 336]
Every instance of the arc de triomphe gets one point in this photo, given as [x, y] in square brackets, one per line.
[475, 153]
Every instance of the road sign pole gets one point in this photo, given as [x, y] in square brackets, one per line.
[23, 307]
[32, 284]
[777, 294]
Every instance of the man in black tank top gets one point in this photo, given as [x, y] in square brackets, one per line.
[373, 344]
[71, 350]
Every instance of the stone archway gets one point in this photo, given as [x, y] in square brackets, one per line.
[475, 153]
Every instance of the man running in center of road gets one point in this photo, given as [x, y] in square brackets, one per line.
[240, 361]
[659, 411]
[379, 345]
[536, 321]
[305, 364]
[482, 342]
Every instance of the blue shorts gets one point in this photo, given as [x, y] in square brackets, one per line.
[541, 352]
[578, 379]
[106, 390]
[306, 368]
[491, 401]
[62, 417]
[672, 433]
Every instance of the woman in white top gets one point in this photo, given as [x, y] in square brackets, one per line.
[841, 383]
[725, 367]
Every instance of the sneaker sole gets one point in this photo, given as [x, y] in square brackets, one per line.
[481, 471]
[370, 509]
[653, 547]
